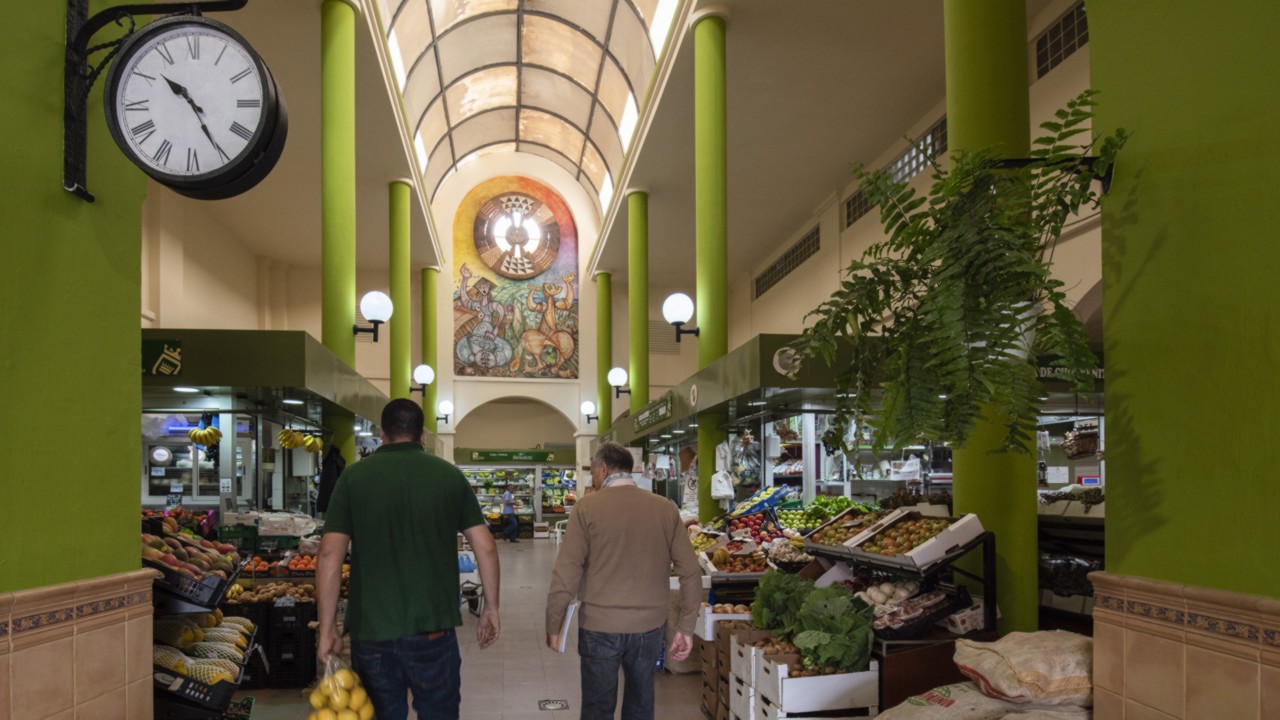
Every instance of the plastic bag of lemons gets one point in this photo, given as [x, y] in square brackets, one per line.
[339, 695]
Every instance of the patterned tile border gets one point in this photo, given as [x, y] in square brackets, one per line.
[1271, 637]
[1109, 602]
[4, 628]
[78, 612]
[1155, 612]
[1232, 628]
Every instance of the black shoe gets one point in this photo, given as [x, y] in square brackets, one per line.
[515, 541]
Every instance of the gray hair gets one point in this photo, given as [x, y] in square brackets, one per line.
[614, 456]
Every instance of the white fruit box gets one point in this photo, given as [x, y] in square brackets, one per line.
[930, 551]
[766, 710]
[744, 657]
[675, 583]
[843, 517]
[932, 510]
[707, 622]
[704, 559]
[742, 698]
[796, 695]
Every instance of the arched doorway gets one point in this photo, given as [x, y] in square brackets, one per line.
[515, 422]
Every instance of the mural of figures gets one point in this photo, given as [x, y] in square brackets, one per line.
[515, 302]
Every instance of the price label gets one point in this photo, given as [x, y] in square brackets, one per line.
[268, 545]
[173, 500]
[286, 601]
[175, 488]
[224, 486]
[157, 471]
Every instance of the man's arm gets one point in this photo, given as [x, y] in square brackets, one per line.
[567, 576]
[691, 593]
[487, 559]
[333, 550]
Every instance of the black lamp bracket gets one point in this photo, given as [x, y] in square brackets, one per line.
[592, 418]
[79, 73]
[422, 389]
[685, 331]
[620, 391]
[356, 329]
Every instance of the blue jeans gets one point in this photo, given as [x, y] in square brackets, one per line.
[510, 527]
[601, 655]
[431, 669]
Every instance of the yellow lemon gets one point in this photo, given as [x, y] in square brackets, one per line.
[366, 712]
[326, 714]
[312, 716]
[359, 696]
[328, 685]
[339, 699]
[317, 699]
[348, 715]
[345, 679]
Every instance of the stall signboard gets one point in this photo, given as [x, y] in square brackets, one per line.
[513, 456]
[655, 413]
[162, 357]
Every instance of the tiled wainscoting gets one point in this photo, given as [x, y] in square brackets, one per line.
[1163, 651]
[78, 651]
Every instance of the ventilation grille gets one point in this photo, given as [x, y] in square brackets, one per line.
[1061, 39]
[662, 338]
[806, 248]
[902, 168]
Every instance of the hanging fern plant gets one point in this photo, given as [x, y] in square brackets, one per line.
[947, 315]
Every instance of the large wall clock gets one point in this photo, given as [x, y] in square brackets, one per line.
[195, 107]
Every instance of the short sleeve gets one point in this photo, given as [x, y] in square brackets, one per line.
[338, 517]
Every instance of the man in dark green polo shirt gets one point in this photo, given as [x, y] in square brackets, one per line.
[400, 509]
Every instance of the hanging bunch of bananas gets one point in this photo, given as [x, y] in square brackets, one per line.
[204, 436]
[292, 439]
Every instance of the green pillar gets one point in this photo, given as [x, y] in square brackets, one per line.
[604, 350]
[399, 326]
[338, 195]
[712, 229]
[638, 297]
[429, 324]
[988, 105]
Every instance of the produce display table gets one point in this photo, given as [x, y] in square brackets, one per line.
[912, 667]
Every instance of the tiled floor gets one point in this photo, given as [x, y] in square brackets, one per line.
[506, 681]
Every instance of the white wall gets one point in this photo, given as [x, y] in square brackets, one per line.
[514, 424]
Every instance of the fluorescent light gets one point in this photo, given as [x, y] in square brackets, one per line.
[293, 401]
[183, 388]
[757, 403]
[693, 425]
[366, 434]
[677, 431]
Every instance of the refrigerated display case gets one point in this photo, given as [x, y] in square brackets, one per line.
[557, 492]
[488, 482]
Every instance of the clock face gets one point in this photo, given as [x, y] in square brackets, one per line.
[188, 100]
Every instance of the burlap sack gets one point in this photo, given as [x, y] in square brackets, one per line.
[1043, 668]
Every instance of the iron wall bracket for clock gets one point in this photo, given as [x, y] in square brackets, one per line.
[79, 75]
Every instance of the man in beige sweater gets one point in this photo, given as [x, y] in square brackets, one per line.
[616, 559]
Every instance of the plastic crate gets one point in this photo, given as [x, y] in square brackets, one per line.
[169, 684]
[244, 537]
[293, 674]
[257, 613]
[291, 618]
[206, 592]
[273, 543]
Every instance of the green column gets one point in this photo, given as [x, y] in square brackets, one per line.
[429, 324]
[638, 297]
[712, 233]
[604, 350]
[399, 326]
[988, 105]
[338, 195]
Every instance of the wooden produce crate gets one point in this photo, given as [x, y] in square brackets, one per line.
[791, 696]
[742, 699]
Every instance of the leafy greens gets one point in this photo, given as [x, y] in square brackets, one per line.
[834, 630]
[778, 600]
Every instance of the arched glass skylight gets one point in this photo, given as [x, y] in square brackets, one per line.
[555, 78]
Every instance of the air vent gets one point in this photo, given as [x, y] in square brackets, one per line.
[1061, 39]
[806, 248]
[904, 167]
[662, 338]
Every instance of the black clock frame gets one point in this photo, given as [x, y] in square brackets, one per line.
[79, 76]
[244, 170]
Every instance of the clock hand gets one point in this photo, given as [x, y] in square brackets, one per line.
[182, 92]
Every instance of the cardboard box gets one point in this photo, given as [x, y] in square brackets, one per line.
[1053, 509]
[931, 510]
[766, 710]
[930, 551]
[967, 620]
[742, 698]
[1069, 603]
[707, 621]
[708, 567]
[710, 699]
[791, 695]
[743, 655]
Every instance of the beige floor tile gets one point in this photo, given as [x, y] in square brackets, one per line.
[1221, 685]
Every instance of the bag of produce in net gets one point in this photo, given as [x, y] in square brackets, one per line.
[339, 694]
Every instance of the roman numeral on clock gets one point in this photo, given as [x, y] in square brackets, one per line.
[220, 54]
[248, 103]
[146, 130]
[193, 46]
[136, 105]
[145, 76]
[241, 75]
[244, 132]
[162, 154]
[165, 54]
[193, 160]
